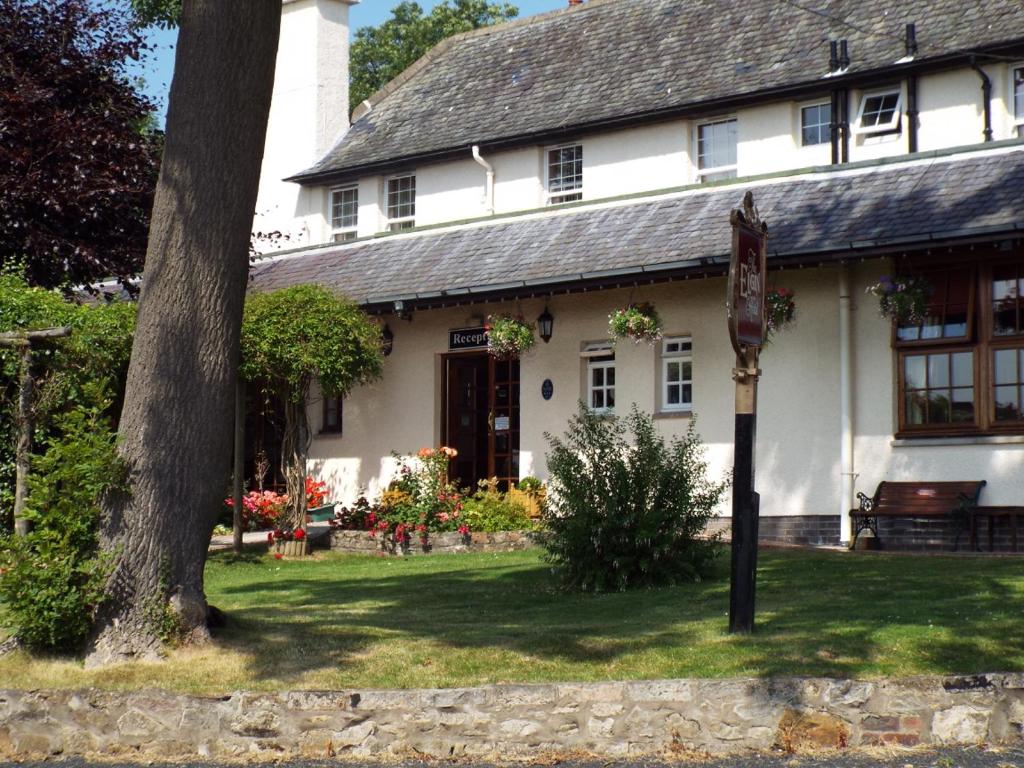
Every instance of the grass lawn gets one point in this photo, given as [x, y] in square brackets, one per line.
[342, 622]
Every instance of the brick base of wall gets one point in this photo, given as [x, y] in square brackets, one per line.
[813, 530]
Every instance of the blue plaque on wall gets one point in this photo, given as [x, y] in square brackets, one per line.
[547, 389]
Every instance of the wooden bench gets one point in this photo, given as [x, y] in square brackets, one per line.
[946, 499]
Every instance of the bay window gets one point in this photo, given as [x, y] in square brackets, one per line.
[961, 367]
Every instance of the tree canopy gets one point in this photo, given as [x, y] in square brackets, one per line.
[379, 54]
[78, 163]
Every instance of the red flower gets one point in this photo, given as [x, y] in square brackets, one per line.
[464, 530]
[278, 555]
[299, 534]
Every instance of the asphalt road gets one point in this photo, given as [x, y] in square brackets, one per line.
[950, 758]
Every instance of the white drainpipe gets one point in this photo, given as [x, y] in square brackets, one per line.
[489, 189]
[846, 460]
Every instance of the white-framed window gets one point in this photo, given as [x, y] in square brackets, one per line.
[716, 150]
[400, 202]
[344, 213]
[815, 124]
[676, 373]
[599, 388]
[564, 174]
[1017, 86]
[879, 112]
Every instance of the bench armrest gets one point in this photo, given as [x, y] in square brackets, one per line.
[864, 502]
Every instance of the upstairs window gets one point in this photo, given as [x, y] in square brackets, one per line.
[961, 369]
[716, 150]
[400, 204]
[1018, 100]
[816, 124]
[565, 174]
[344, 213]
[677, 373]
[879, 112]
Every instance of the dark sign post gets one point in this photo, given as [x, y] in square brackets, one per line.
[747, 272]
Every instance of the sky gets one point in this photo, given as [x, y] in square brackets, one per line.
[156, 72]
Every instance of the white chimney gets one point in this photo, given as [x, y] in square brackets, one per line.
[308, 114]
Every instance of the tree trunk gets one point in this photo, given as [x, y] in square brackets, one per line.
[177, 423]
[294, 453]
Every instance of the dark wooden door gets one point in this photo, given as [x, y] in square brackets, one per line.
[468, 402]
[504, 437]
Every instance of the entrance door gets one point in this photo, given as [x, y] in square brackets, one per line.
[482, 419]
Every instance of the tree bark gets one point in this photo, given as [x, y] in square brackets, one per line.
[177, 423]
[294, 454]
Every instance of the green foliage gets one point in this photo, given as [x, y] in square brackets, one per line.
[161, 13]
[379, 54]
[488, 510]
[508, 337]
[52, 580]
[66, 370]
[627, 513]
[291, 336]
[530, 484]
[639, 322]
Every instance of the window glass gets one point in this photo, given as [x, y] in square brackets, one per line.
[601, 383]
[565, 174]
[332, 414]
[879, 110]
[401, 203]
[939, 388]
[1007, 299]
[816, 124]
[676, 373]
[1008, 383]
[1018, 94]
[716, 150]
[947, 313]
[344, 213]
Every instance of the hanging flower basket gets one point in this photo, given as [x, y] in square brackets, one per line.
[639, 322]
[902, 299]
[779, 311]
[508, 337]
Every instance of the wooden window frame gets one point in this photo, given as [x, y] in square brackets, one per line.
[1016, 69]
[568, 194]
[729, 171]
[665, 358]
[341, 234]
[979, 340]
[803, 126]
[399, 223]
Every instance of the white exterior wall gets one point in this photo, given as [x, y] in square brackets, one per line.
[660, 156]
[798, 432]
[308, 114]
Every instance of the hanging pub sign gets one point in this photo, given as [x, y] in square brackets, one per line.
[467, 338]
[747, 272]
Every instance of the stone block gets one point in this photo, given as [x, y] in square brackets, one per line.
[962, 724]
[260, 722]
[802, 731]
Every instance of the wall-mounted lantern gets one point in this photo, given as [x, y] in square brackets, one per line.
[388, 339]
[545, 325]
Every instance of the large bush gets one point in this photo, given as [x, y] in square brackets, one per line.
[52, 580]
[628, 512]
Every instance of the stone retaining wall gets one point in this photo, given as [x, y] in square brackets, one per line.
[438, 543]
[610, 719]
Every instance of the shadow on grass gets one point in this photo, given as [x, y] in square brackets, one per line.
[827, 614]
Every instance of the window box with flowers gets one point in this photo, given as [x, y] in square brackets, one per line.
[508, 337]
[639, 322]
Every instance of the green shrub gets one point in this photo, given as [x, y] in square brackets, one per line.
[52, 580]
[490, 511]
[624, 513]
[530, 484]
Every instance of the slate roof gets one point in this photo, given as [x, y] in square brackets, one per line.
[832, 212]
[620, 59]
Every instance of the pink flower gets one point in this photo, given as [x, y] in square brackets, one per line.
[444, 517]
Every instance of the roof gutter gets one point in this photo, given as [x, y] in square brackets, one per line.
[795, 91]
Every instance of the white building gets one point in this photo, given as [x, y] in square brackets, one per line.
[586, 159]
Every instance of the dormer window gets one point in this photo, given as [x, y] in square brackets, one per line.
[1018, 100]
[815, 124]
[879, 112]
[344, 213]
[716, 150]
[565, 174]
[400, 203]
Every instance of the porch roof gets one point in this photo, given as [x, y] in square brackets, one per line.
[814, 216]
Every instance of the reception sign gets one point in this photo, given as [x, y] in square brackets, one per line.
[467, 338]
